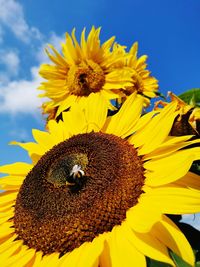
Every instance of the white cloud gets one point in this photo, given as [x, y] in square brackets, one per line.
[18, 133]
[12, 16]
[21, 96]
[11, 61]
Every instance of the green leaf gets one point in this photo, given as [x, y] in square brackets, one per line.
[191, 96]
[197, 255]
[178, 261]
[153, 263]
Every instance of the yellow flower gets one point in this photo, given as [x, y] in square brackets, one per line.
[97, 190]
[143, 82]
[188, 117]
[80, 70]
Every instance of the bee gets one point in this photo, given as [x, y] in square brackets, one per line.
[75, 176]
[76, 172]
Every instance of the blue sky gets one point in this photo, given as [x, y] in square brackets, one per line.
[167, 31]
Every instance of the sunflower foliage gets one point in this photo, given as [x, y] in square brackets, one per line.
[108, 181]
[191, 97]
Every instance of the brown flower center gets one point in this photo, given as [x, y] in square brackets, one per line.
[85, 78]
[137, 85]
[79, 189]
[181, 126]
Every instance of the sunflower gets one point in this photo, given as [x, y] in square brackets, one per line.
[80, 70]
[97, 190]
[142, 81]
[188, 118]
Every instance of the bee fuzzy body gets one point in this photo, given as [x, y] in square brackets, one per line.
[76, 177]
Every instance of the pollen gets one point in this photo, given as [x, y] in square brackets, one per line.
[85, 78]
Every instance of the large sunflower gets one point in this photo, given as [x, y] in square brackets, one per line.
[82, 69]
[97, 191]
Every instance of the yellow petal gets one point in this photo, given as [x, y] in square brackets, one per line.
[148, 245]
[38, 259]
[9, 250]
[5, 216]
[51, 260]
[83, 44]
[21, 258]
[169, 147]
[76, 44]
[18, 168]
[72, 258]
[10, 183]
[168, 233]
[133, 52]
[59, 59]
[196, 152]
[69, 51]
[7, 213]
[6, 197]
[44, 140]
[105, 257]
[5, 219]
[66, 103]
[174, 200]
[108, 94]
[156, 131]
[75, 121]
[122, 251]
[91, 253]
[7, 242]
[117, 79]
[11, 179]
[144, 120]
[107, 44]
[142, 217]
[5, 229]
[168, 169]
[56, 132]
[31, 147]
[89, 116]
[7, 206]
[122, 123]
[191, 180]
[95, 112]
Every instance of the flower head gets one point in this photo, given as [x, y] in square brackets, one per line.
[188, 117]
[142, 81]
[80, 70]
[97, 190]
